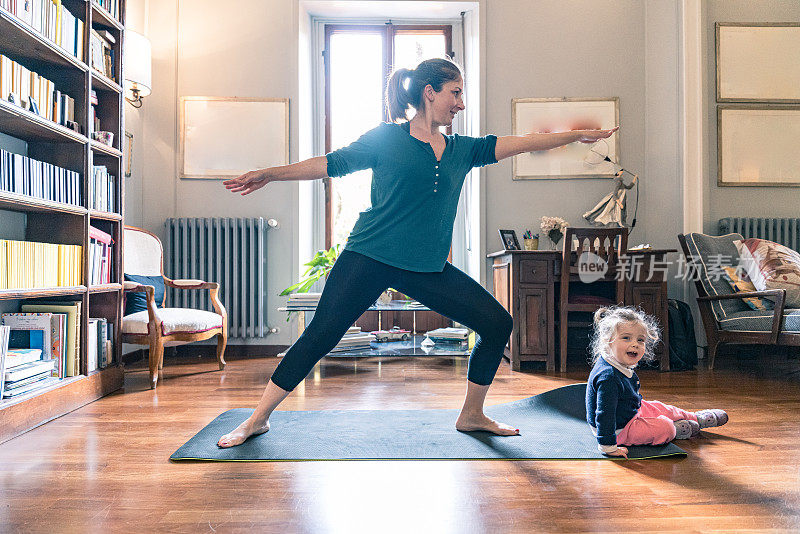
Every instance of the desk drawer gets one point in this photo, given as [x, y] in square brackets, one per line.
[533, 271]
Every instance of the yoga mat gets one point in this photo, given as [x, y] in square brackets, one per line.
[552, 426]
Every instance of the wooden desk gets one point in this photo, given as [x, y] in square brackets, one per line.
[526, 283]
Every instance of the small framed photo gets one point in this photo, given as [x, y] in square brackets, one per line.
[509, 239]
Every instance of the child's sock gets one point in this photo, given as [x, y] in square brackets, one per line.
[709, 418]
[686, 428]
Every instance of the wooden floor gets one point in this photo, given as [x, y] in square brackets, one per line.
[105, 467]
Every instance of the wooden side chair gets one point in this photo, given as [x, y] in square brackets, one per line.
[156, 326]
[607, 243]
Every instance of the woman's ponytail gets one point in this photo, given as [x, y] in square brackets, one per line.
[404, 88]
[397, 95]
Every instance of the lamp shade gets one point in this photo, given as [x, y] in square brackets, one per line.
[136, 57]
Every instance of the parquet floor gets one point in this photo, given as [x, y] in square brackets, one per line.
[105, 468]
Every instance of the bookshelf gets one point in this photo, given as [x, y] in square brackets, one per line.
[56, 222]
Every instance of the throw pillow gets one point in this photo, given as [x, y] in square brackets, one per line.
[136, 301]
[740, 282]
[772, 266]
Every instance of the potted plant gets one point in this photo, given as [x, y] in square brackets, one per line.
[318, 267]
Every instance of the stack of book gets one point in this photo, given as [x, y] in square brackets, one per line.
[51, 19]
[52, 328]
[25, 371]
[303, 300]
[99, 257]
[27, 265]
[448, 335]
[35, 93]
[353, 339]
[26, 176]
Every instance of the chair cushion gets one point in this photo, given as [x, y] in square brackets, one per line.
[136, 301]
[173, 320]
[772, 266]
[740, 282]
[712, 253]
[760, 321]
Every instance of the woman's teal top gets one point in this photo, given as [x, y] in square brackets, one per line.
[414, 197]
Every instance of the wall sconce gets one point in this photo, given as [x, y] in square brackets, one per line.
[136, 61]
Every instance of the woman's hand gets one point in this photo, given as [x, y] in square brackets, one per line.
[590, 136]
[621, 451]
[248, 182]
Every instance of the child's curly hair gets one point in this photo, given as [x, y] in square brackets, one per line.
[606, 321]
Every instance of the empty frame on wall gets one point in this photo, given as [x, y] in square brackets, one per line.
[758, 62]
[576, 160]
[224, 137]
[757, 145]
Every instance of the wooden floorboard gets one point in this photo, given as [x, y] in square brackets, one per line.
[105, 467]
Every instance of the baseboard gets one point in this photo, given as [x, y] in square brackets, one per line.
[232, 352]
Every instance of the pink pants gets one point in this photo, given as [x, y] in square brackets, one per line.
[652, 425]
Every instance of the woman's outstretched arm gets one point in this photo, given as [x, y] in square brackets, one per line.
[511, 145]
[309, 169]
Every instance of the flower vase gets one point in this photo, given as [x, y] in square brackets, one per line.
[555, 236]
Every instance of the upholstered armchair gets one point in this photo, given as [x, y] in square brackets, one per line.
[156, 326]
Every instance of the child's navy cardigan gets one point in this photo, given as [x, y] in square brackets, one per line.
[612, 399]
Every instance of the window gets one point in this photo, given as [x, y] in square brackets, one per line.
[358, 61]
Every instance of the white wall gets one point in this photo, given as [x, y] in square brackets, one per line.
[530, 48]
[740, 201]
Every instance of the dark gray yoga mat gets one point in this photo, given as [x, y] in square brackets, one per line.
[552, 426]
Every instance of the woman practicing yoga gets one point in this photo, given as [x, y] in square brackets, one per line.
[403, 239]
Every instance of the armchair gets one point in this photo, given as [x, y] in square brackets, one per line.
[726, 318]
[159, 327]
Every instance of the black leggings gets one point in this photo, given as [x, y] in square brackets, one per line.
[356, 281]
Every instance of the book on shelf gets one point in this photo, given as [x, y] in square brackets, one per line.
[99, 256]
[27, 370]
[52, 20]
[50, 330]
[30, 331]
[33, 92]
[112, 6]
[101, 53]
[26, 176]
[4, 331]
[40, 380]
[16, 357]
[72, 344]
[30, 265]
[103, 185]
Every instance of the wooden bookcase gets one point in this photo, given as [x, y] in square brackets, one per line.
[54, 222]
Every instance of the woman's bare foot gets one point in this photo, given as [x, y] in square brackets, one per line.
[241, 433]
[470, 423]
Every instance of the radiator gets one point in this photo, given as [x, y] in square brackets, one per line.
[232, 252]
[783, 231]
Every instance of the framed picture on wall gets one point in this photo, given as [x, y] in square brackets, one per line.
[757, 145]
[224, 137]
[758, 62]
[128, 153]
[576, 160]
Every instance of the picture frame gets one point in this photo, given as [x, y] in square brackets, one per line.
[509, 240]
[128, 153]
[756, 145]
[758, 62]
[225, 137]
[575, 160]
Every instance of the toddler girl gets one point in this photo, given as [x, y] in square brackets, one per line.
[614, 408]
